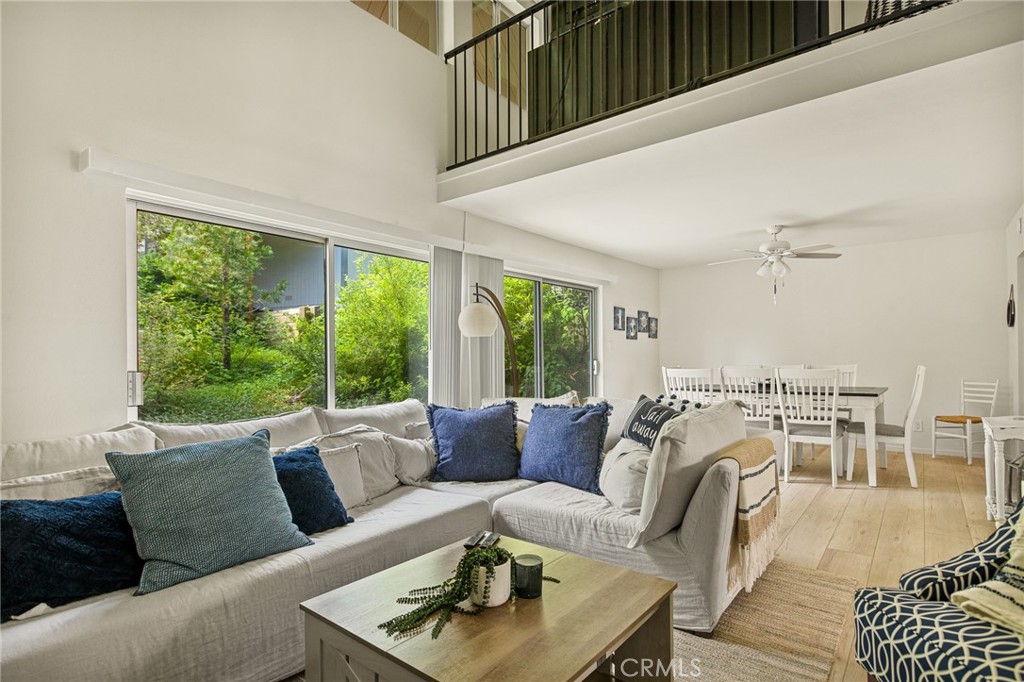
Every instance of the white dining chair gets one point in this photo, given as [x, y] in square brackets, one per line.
[807, 399]
[847, 373]
[694, 385]
[980, 397]
[892, 434]
[755, 386]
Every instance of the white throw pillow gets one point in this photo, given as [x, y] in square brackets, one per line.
[524, 406]
[685, 449]
[414, 430]
[342, 464]
[415, 458]
[68, 454]
[621, 408]
[623, 474]
[285, 429]
[390, 418]
[376, 458]
[60, 486]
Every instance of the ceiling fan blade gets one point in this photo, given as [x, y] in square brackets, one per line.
[815, 255]
[811, 247]
[738, 260]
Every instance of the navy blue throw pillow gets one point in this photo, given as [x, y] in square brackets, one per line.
[309, 491]
[475, 445]
[565, 444]
[645, 421]
[59, 551]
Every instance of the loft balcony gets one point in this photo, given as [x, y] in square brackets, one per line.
[562, 64]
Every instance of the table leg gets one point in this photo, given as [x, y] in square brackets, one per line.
[883, 455]
[989, 471]
[998, 480]
[872, 444]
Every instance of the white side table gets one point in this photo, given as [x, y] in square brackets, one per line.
[998, 430]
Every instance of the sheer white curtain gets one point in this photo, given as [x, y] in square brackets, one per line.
[463, 371]
[482, 373]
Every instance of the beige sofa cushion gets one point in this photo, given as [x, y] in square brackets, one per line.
[342, 464]
[390, 418]
[285, 429]
[61, 485]
[624, 473]
[376, 458]
[68, 454]
[685, 448]
[620, 411]
[524, 406]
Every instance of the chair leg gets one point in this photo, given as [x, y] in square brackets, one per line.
[785, 461]
[851, 454]
[968, 445]
[800, 454]
[934, 429]
[910, 462]
[835, 455]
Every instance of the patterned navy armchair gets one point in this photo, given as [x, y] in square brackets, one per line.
[915, 633]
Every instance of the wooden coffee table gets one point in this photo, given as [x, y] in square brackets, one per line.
[599, 616]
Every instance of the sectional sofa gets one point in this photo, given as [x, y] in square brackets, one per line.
[243, 623]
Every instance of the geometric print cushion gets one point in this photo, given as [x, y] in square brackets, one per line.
[900, 638]
[976, 565]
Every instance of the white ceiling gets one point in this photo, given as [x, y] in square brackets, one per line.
[931, 152]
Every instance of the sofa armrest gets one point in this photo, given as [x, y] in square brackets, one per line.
[706, 532]
[975, 566]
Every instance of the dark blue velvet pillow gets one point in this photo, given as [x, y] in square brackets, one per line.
[475, 445]
[309, 491]
[59, 551]
[565, 444]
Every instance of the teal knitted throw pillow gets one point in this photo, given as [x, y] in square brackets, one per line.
[197, 509]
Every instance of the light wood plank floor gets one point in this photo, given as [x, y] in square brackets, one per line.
[876, 534]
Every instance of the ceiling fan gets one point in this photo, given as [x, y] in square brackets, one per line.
[773, 255]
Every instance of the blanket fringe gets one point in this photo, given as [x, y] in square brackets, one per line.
[755, 557]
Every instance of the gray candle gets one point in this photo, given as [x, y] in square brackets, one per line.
[529, 575]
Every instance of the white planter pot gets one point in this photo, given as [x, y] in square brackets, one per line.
[501, 585]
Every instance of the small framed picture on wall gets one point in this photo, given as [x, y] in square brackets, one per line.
[643, 319]
[652, 328]
[618, 318]
[631, 327]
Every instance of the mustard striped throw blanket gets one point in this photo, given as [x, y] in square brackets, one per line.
[1000, 600]
[757, 518]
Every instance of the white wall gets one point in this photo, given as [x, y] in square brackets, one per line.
[939, 302]
[317, 103]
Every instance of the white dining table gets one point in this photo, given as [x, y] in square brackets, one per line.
[867, 403]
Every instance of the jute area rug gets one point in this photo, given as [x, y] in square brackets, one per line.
[786, 629]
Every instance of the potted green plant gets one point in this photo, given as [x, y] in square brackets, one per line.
[483, 575]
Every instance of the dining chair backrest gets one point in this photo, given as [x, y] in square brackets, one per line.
[695, 385]
[755, 386]
[847, 373]
[978, 393]
[915, 400]
[789, 367]
[807, 396]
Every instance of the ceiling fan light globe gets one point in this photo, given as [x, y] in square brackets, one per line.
[765, 269]
[780, 269]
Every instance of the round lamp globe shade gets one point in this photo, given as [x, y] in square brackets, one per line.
[478, 319]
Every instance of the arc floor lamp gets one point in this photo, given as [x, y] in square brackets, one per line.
[480, 319]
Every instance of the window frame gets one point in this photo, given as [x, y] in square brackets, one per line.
[328, 242]
[538, 329]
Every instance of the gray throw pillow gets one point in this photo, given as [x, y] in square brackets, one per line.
[686, 447]
[623, 474]
[199, 508]
[415, 458]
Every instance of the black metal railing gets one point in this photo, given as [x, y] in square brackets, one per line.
[565, 63]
